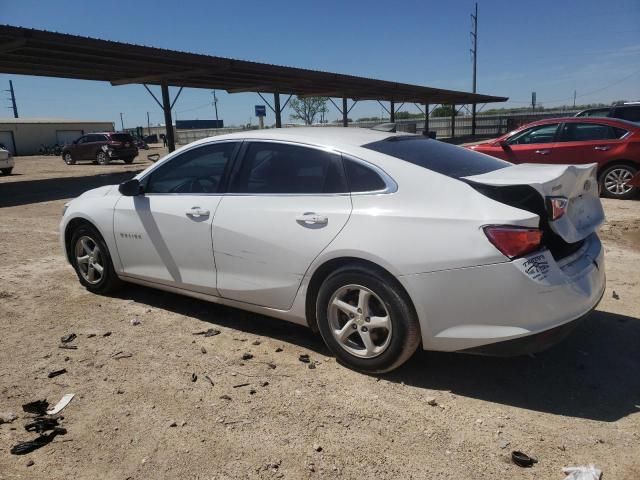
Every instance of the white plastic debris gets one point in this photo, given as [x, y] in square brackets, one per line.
[135, 322]
[583, 472]
[64, 401]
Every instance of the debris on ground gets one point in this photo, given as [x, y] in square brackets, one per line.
[91, 335]
[64, 401]
[68, 347]
[272, 366]
[30, 463]
[7, 417]
[264, 384]
[135, 322]
[203, 350]
[173, 423]
[312, 366]
[252, 391]
[194, 377]
[55, 373]
[583, 472]
[23, 448]
[522, 459]
[247, 356]
[38, 407]
[208, 333]
[120, 355]
[68, 338]
[304, 358]
[256, 342]
[209, 379]
[278, 350]
[432, 401]
[241, 385]
[504, 444]
[615, 296]
[317, 447]
[42, 424]
[225, 397]
[106, 334]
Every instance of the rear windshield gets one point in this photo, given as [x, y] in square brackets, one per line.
[121, 137]
[449, 160]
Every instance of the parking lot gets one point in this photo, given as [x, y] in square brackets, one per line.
[153, 400]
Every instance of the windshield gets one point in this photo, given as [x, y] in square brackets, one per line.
[450, 160]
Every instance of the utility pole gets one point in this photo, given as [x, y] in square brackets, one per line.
[574, 99]
[474, 52]
[148, 125]
[215, 105]
[13, 99]
[121, 121]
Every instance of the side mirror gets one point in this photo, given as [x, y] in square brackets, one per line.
[131, 188]
[153, 157]
[504, 144]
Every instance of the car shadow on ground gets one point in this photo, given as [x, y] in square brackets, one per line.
[34, 191]
[593, 374]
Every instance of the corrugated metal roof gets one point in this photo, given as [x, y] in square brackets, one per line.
[49, 120]
[38, 52]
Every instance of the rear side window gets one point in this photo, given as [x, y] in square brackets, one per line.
[362, 178]
[121, 137]
[601, 112]
[440, 157]
[584, 132]
[269, 167]
[629, 113]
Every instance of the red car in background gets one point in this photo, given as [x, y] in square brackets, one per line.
[611, 143]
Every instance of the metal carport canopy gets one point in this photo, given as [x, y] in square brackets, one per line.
[28, 51]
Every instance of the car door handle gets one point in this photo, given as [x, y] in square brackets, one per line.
[603, 148]
[311, 218]
[544, 151]
[197, 212]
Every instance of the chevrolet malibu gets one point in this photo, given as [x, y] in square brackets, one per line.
[380, 242]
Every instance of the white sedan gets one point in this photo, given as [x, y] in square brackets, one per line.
[381, 242]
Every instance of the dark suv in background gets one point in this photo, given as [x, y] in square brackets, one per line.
[626, 111]
[101, 148]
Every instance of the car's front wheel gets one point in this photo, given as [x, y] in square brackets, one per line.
[68, 158]
[366, 320]
[614, 182]
[91, 260]
[6, 171]
[128, 160]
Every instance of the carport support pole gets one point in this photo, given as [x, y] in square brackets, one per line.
[392, 112]
[345, 118]
[276, 107]
[426, 119]
[473, 119]
[453, 121]
[168, 122]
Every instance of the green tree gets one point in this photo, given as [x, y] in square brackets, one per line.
[442, 111]
[307, 108]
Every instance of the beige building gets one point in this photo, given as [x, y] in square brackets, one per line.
[25, 136]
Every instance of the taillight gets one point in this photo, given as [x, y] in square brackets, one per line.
[514, 241]
[556, 207]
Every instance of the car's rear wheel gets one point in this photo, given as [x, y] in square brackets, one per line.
[128, 159]
[367, 320]
[68, 158]
[102, 158]
[91, 260]
[614, 181]
[6, 171]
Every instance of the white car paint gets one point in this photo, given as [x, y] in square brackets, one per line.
[6, 159]
[252, 252]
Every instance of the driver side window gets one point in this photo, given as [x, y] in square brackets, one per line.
[539, 134]
[198, 170]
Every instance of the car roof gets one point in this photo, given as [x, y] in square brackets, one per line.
[615, 122]
[328, 136]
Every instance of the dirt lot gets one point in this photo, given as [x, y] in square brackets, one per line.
[575, 404]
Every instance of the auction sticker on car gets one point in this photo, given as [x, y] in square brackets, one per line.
[540, 267]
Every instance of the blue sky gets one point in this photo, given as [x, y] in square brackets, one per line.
[551, 47]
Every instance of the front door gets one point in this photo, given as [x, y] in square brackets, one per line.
[164, 235]
[533, 145]
[284, 205]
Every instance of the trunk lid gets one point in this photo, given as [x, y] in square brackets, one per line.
[577, 183]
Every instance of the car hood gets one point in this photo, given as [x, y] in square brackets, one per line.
[99, 192]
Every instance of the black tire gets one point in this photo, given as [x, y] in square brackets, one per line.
[68, 158]
[128, 160]
[102, 157]
[405, 331]
[109, 281]
[611, 190]
[6, 171]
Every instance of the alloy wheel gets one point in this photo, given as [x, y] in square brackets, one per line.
[616, 181]
[89, 259]
[359, 321]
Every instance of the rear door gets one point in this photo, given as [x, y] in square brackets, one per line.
[532, 145]
[580, 143]
[286, 202]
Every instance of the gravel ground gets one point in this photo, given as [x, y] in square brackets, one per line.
[156, 401]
